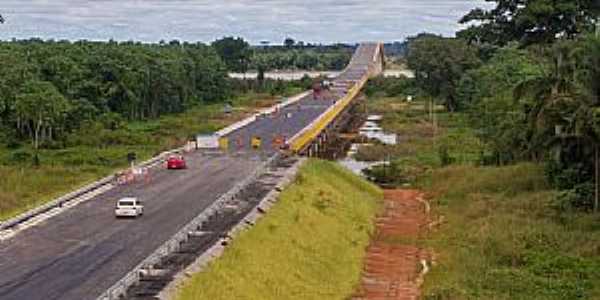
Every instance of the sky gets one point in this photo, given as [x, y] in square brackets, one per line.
[316, 21]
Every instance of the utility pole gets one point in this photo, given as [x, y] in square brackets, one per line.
[597, 167]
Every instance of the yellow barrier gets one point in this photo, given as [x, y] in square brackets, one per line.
[224, 143]
[256, 142]
[310, 134]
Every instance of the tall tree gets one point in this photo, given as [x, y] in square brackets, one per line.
[487, 93]
[439, 64]
[235, 52]
[289, 42]
[587, 58]
[530, 21]
[544, 97]
[40, 109]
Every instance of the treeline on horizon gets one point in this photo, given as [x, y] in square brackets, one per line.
[528, 78]
[240, 56]
[52, 89]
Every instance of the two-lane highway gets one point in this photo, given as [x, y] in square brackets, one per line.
[80, 253]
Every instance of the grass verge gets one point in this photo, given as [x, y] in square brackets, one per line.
[309, 246]
[504, 240]
[502, 236]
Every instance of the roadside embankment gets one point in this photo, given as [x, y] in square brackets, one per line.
[310, 245]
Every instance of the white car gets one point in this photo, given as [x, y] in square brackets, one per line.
[129, 207]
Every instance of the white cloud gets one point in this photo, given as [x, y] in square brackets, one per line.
[204, 20]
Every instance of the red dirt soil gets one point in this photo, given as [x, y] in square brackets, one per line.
[393, 261]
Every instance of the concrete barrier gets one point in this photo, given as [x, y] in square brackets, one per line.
[119, 289]
[63, 200]
[58, 202]
[245, 223]
[245, 122]
[310, 132]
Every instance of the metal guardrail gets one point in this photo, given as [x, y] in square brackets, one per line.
[310, 132]
[303, 138]
[120, 288]
[61, 201]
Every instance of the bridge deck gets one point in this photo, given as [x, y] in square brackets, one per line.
[291, 120]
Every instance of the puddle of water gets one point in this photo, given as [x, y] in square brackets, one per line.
[372, 130]
[356, 166]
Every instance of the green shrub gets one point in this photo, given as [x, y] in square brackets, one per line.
[444, 155]
[580, 197]
[21, 156]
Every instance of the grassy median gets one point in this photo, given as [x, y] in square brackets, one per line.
[309, 246]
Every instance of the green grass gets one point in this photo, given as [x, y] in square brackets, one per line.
[309, 246]
[503, 240]
[502, 237]
[420, 141]
[99, 152]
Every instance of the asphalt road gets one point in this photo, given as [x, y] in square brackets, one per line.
[293, 118]
[285, 123]
[80, 253]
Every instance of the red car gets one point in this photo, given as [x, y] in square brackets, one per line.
[176, 162]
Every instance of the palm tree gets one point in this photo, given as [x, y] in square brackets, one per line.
[567, 96]
[587, 56]
[542, 95]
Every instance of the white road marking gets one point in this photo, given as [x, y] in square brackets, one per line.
[9, 233]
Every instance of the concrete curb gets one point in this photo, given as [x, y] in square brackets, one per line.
[120, 287]
[63, 201]
[214, 252]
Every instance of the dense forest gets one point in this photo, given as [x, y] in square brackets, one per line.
[528, 77]
[50, 89]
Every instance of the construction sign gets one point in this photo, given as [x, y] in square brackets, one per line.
[256, 142]
[223, 143]
[278, 142]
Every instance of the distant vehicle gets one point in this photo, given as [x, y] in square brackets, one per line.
[129, 207]
[176, 162]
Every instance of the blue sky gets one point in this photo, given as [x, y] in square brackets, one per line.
[322, 21]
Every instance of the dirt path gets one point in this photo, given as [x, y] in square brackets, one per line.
[393, 265]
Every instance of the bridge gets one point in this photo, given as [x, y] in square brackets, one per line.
[83, 251]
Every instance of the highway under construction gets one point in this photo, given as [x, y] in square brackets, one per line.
[84, 252]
